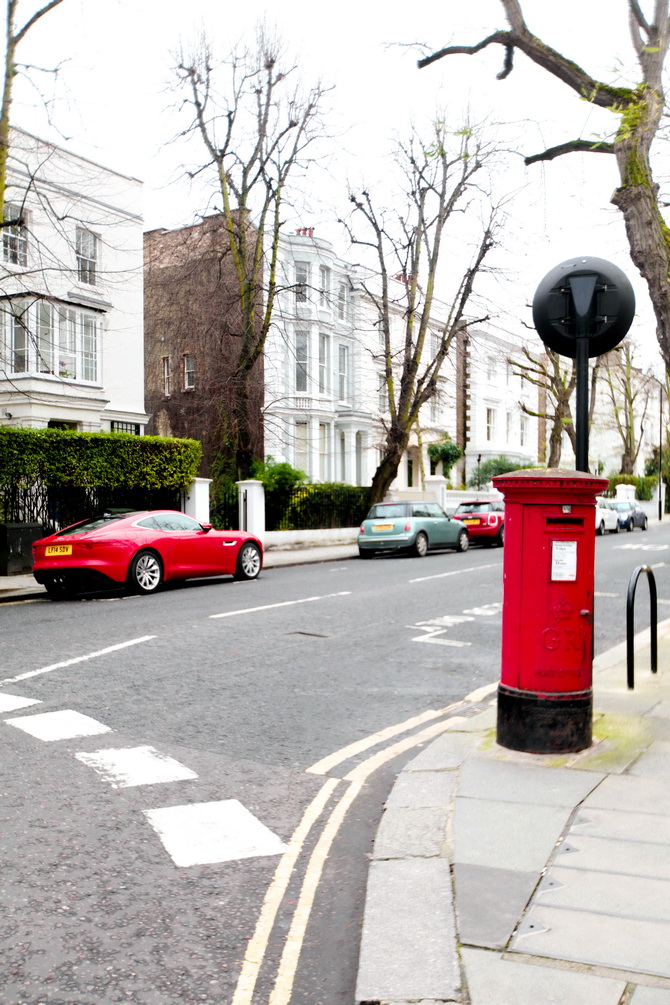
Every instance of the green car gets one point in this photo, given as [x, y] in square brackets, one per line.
[413, 527]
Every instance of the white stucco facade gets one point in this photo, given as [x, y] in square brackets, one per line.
[71, 306]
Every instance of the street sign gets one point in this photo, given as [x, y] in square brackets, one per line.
[587, 290]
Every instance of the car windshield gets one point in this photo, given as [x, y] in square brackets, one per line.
[95, 524]
[386, 511]
[621, 505]
[475, 507]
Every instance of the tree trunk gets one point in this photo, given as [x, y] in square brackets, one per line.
[396, 444]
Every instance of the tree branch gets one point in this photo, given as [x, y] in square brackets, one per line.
[573, 146]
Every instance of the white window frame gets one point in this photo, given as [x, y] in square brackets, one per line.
[343, 372]
[167, 377]
[189, 371]
[324, 286]
[523, 430]
[14, 236]
[45, 337]
[301, 374]
[490, 424]
[324, 363]
[86, 249]
[343, 300]
[301, 281]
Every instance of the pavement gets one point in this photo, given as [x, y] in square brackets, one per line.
[507, 878]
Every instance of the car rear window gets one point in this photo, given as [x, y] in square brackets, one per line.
[388, 511]
[88, 525]
[476, 507]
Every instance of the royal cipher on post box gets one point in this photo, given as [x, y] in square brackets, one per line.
[545, 699]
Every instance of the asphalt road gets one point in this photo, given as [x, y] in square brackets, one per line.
[227, 862]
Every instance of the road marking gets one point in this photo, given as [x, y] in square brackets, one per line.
[642, 547]
[432, 638]
[129, 766]
[77, 659]
[326, 764]
[456, 572]
[288, 964]
[366, 768]
[486, 611]
[284, 603]
[206, 833]
[274, 896]
[62, 725]
[10, 702]
[599, 593]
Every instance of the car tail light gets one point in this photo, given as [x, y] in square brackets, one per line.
[408, 527]
[362, 530]
[492, 519]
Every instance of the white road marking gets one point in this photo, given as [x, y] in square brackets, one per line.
[284, 603]
[435, 640]
[77, 659]
[63, 725]
[642, 547]
[599, 593]
[10, 702]
[486, 611]
[206, 833]
[456, 572]
[444, 621]
[130, 766]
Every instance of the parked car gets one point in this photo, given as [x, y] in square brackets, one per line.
[143, 550]
[607, 517]
[412, 527]
[630, 513]
[485, 520]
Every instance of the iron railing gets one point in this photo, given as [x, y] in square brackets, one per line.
[630, 622]
[58, 506]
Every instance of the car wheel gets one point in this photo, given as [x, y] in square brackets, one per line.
[500, 539]
[615, 530]
[601, 528]
[249, 561]
[57, 588]
[146, 572]
[629, 525]
[645, 524]
[463, 542]
[420, 546]
[365, 553]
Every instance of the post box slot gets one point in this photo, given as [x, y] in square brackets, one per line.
[573, 521]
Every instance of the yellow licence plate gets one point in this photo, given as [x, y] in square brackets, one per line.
[470, 522]
[382, 526]
[58, 549]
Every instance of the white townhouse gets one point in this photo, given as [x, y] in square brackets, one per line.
[71, 307]
[318, 413]
[491, 395]
[325, 394]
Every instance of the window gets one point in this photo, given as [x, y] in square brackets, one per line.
[410, 473]
[45, 337]
[87, 256]
[301, 281]
[323, 451]
[301, 360]
[343, 301]
[301, 447]
[189, 371]
[324, 286]
[323, 364]
[508, 426]
[383, 394]
[490, 423]
[523, 430]
[14, 236]
[167, 377]
[127, 427]
[343, 373]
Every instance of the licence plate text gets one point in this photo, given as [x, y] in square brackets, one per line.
[382, 526]
[58, 549]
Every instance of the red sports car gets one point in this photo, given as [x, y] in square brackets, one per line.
[142, 550]
[484, 519]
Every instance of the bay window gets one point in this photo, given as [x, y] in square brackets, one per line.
[49, 338]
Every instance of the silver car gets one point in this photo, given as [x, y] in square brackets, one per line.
[412, 527]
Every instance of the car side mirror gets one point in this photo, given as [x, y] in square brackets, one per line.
[206, 527]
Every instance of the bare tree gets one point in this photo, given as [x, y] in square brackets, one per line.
[440, 177]
[556, 383]
[628, 391]
[256, 134]
[13, 38]
[639, 110]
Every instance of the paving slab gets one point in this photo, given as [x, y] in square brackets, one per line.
[625, 896]
[650, 996]
[484, 778]
[662, 710]
[494, 981]
[654, 828]
[506, 835]
[423, 788]
[633, 858]
[447, 751]
[411, 831]
[654, 762]
[480, 723]
[635, 795]
[595, 939]
[408, 944]
[489, 903]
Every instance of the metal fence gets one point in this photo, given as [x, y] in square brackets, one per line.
[57, 506]
[303, 507]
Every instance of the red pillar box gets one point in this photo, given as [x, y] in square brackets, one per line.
[545, 700]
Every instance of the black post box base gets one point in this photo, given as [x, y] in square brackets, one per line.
[544, 724]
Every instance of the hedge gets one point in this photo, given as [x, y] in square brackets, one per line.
[645, 485]
[61, 457]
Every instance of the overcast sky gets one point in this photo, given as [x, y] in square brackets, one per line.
[115, 101]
